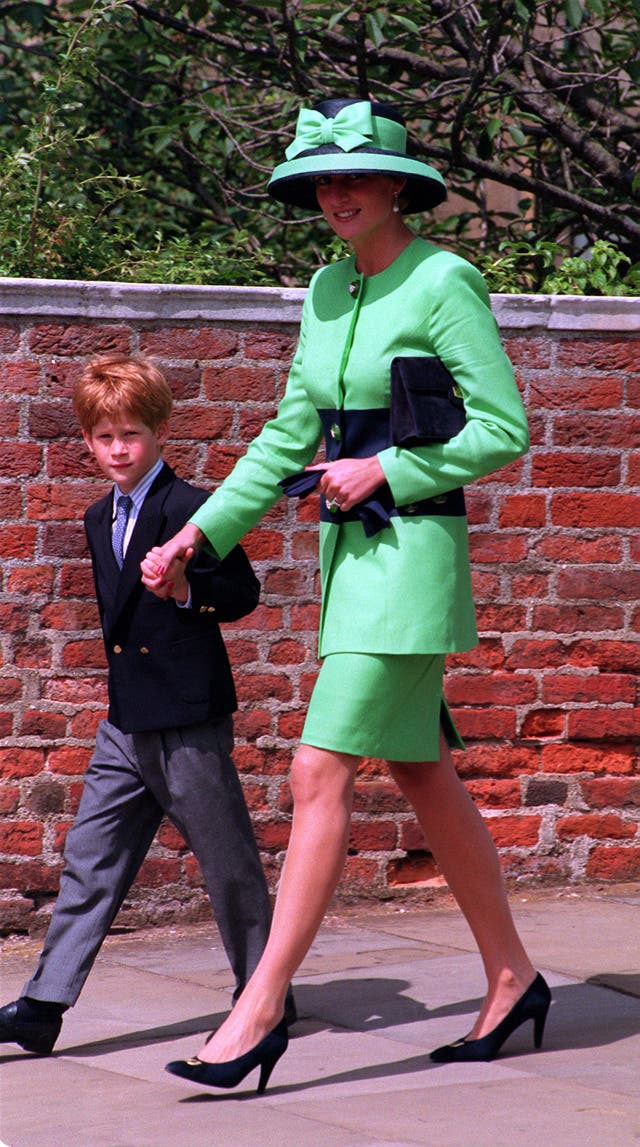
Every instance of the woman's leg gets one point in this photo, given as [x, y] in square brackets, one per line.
[464, 850]
[322, 787]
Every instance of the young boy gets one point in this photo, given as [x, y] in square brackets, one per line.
[165, 745]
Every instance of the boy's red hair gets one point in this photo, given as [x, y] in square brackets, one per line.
[114, 385]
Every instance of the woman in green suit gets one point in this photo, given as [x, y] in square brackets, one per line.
[396, 582]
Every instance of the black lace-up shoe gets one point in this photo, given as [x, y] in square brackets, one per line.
[25, 1024]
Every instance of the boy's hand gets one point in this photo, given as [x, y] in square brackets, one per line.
[163, 567]
[172, 582]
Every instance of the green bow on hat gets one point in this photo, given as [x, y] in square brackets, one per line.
[352, 127]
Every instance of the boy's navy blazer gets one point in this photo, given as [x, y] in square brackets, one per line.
[167, 666]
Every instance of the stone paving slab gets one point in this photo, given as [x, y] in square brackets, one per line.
[507, 1112]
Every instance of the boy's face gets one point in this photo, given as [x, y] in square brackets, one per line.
[125, 449]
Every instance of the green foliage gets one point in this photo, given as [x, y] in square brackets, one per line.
[518, 266]
[600, 274]
[204, 260]
[531, 267]
[136, 138]
[53, 193]
[65, 209]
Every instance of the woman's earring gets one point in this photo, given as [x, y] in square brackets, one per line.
[396, 205]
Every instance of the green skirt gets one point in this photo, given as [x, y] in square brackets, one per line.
[387, 706]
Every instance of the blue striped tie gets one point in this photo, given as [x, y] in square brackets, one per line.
[122, 516]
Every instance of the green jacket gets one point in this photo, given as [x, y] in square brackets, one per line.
[408, 588]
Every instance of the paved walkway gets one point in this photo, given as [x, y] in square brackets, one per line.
[382, 985]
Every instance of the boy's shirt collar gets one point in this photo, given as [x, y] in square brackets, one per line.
[138, 495]
[139, 492]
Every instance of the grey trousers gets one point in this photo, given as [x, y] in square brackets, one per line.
[132, 779]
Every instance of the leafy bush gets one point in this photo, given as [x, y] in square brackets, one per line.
[66, 212]
[540, 268]
[135, 139]
[600, 274]
[199, 261]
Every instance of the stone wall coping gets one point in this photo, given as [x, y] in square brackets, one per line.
[162, 302]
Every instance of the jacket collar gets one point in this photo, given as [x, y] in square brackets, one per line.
[147, 531]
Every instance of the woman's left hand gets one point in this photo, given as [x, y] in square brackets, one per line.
[348, 481]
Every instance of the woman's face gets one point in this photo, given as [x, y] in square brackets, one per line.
[357, 206]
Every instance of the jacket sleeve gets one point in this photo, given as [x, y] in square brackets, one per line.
[229, 588]
[285, 444]
[463, 333]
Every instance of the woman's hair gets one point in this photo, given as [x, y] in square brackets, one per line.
[115, 385]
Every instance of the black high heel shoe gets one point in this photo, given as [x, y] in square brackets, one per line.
[533, 1005]
[264, 1055]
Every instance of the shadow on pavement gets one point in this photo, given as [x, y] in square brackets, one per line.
[580, 1017]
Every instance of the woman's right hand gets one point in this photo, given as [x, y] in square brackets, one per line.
[348, 481]
[159, 565]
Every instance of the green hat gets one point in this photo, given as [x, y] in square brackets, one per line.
[342, 137]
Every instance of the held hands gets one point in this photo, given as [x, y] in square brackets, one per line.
[348, 481]
[163, 568]
[172, 581]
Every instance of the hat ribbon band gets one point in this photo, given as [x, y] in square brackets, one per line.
[352, 127]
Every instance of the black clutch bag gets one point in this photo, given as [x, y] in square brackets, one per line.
[426, 402]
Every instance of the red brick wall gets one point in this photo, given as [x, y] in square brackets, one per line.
[547, 702]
